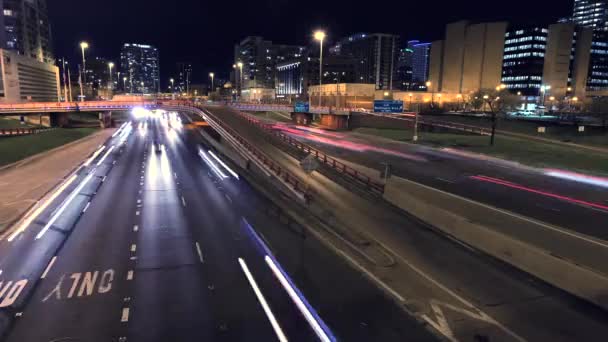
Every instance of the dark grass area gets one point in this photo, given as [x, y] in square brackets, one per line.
[16, 148]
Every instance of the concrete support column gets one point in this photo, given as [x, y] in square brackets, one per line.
[105, 119]
[58, 119]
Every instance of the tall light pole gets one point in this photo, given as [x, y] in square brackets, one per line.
[172, 85]
[124, 84]
[240, 65]
[212, 75]
[83, 46]
[320, 36]
[65, 83]
[110, 67]
[142, 87]
[428, 85]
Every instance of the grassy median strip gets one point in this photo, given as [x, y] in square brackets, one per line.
[273, 116]
[524, 151]
[16, 148]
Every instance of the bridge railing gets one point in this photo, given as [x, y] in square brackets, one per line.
[4, 132]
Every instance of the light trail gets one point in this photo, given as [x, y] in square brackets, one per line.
[64, 206]
[577, 177]
[234, 174]
[539, 192]
[90, 160]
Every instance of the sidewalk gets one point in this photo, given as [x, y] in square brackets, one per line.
[25, 182]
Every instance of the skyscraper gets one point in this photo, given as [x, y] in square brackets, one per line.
[591, 13]
[25, 28]
[140, 64]
[260, 58]
[377, 56]
[421, 53]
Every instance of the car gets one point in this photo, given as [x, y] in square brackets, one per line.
[157, 147]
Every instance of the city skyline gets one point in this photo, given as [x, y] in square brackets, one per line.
[283, 23]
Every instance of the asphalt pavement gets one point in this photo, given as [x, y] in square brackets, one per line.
[154, 240]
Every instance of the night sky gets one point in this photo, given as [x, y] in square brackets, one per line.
[204, 32]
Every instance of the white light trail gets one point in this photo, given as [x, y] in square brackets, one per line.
[212, 165]
[88, 162]
[298, 301]
[41, 208]
[105, 156]
[234, 174]
[263, 302]
[64, 206]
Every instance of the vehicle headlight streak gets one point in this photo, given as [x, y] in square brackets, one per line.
[65, 204]
[88, 162]
[234, 174]
[212, 165]
[120, 129]
[41, 208]
[577, 177]
[320, 328]
[105, 156]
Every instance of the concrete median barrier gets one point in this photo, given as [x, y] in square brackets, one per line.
[575, 267]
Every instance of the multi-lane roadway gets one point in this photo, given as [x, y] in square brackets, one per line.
[154, 239]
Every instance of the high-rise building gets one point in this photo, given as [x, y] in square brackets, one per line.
[404, 79]
[25, 79]
[184, 78]
[591, 13]
[421, 53]
[140, 64]
[524, 59]
[377, 56]
[259, 58]
[598, 65]
[296, 76]
[469, 59]
[25, 28]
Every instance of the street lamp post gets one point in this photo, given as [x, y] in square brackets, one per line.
[110, 66]
[83, 46]
[320, 36]
[212, 75]
[124, 84]
[428, 85]
[240, 65]
[65, 83]
[142, 87]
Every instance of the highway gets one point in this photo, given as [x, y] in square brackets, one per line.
[433, 272]
[154, 240]
[561, 202]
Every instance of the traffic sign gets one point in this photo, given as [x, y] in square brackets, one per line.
[301, 107]
[388, 106]
[309, 164]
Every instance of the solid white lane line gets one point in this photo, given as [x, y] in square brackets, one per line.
[130, 275]
[90, 160]
[41, 208]
[183, 201]
[228, 198]
[262, 300]
[445, 180]
[64, 206]
[298, 301]
[125, 315]
[105, 156]
[133, 248]
[86, 207]
[48, 267]
[200, 254]
[135, 228]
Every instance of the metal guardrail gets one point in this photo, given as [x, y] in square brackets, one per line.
[7, 132]
[329, 161]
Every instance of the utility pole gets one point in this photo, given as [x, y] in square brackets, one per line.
[70, 85]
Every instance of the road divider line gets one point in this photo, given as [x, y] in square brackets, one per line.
[64, 206]
[273, 321]
[183, 201]
[125, 315]
[296, 298]
[200, 254]
[48, 267]
[135, 228]
[137, 213]
[130, 275]
[41, 208]
[133, 248]
[90, 160]
[86, 207]
[105, 156]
